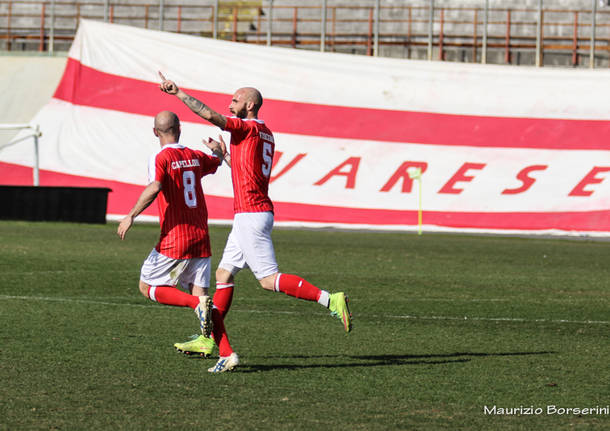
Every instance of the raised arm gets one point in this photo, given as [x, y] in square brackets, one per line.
[195, 105]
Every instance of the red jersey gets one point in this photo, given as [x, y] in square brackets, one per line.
[252, 148]
[183, 214]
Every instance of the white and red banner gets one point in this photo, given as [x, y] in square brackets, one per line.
[501, 149]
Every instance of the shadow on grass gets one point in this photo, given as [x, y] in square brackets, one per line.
[374, 360]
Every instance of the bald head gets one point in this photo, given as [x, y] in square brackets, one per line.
[246, 102]
[253, 95]
[167, 126]
[166, 120]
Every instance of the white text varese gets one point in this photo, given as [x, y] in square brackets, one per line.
[185, 164]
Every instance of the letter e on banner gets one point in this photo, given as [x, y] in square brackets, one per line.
[590, 178]
[460, 176]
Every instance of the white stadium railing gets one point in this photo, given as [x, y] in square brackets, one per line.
[35, 134]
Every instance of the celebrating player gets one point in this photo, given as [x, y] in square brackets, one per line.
[249, 244]
[183, 251]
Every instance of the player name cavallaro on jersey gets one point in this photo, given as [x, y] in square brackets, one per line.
[185, 163]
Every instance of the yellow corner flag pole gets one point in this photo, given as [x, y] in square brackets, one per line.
[415, 174]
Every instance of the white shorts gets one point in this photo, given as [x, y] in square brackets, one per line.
[249, 245]
[160, 270]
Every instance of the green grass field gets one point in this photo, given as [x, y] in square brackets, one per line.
[445, 326]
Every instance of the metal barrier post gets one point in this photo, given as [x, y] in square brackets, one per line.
[430, 28]
[485, 23]
[475, 37]
[376, 36]
[539, 35]
[593, 29]
[8, 27]
[441, 36]
[295, 20]
[575, 41]
[161, 10]
[52, 29]
[234, 34]
[106, 7]
[323, 27]
[42, 15]
[215, 26]
[369, 39]
[270, 20]
[507, 38]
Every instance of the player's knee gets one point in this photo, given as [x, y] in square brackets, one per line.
[198, 290]
[144, 288]
[223, 276]
[268, 283]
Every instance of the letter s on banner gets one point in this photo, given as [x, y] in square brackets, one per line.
[525, 179]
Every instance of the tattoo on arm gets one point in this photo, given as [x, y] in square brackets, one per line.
[204, 111]
[196, 106]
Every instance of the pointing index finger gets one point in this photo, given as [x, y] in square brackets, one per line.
[162, 77]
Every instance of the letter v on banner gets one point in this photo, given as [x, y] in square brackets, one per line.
[415, 174]
[276, 158]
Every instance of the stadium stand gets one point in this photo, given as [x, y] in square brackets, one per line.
[564, 37]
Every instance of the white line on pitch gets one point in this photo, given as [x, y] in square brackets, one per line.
[407, 317]
[498, 319]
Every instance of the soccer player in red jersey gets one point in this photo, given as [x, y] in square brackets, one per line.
[183, 251]
[249, 244]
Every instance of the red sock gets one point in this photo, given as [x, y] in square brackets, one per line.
[169, 295]
[293, 285]
[223, 296]
[220, 334]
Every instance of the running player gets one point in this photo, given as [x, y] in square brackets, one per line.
[249, 244]
[183, 251]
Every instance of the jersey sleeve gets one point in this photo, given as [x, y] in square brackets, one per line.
[209, 164]
[152, 167]
[159, 168]
[237, 127]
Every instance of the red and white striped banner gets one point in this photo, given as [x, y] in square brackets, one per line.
[501, 149]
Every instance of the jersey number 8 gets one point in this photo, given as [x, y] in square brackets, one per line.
[190, 196]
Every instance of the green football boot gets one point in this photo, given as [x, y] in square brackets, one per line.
[198, 345]
[338, 307]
